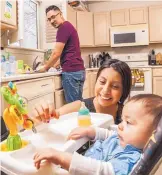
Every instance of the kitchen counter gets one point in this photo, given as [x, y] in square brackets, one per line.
[28, 76]
[148, 66]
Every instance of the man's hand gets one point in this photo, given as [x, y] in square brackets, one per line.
[41, 69]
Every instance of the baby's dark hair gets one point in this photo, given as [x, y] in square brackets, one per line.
[152, 104]
[124, 70]
[52, 7]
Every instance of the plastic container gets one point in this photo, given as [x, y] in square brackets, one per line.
[84, 118]
[12, 65]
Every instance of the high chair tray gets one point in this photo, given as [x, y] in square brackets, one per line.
[54, 135]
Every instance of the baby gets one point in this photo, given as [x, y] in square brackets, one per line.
[113, 152]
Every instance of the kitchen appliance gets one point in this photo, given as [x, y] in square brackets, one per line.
[139, 64]
[132, 35]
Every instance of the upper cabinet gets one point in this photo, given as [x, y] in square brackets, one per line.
[85, 28]
[101, 28]
[119, 17]
[155, 24]
[129, 16]
[138, 15]
[8, 14]
[71, 16]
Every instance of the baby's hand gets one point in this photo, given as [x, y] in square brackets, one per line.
[81, 132]
[48, 154]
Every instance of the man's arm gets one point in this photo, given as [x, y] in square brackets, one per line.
[55, 55]
[57, 64]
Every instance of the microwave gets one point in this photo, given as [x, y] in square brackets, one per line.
[131, 35]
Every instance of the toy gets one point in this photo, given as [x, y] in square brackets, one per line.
[15, 113]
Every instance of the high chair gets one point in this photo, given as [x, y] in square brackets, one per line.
[151, 159]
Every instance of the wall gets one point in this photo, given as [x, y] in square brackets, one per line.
[27, 55]
[112, 5]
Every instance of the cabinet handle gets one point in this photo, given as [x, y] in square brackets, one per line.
[44, 85]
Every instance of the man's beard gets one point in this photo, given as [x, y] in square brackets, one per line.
[55, 25]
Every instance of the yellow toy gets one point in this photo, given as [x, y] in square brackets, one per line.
[15, 113]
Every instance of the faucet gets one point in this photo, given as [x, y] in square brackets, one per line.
[35, 64]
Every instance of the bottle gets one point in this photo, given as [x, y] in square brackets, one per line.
[153, 57]
[12, 65]
[84, 118]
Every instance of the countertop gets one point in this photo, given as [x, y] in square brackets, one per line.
[147, 66]
[46, 74]
[28, 76]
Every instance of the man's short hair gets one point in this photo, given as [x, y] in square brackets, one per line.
[52, 7]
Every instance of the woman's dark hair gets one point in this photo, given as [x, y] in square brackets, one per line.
[124, 70]
[52, 7]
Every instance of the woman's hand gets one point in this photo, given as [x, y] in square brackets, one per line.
[81, 132]
[43, 112]
[53, 156]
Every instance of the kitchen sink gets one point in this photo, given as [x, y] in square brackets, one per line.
[52, 135]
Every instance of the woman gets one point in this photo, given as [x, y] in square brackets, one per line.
[113, 84]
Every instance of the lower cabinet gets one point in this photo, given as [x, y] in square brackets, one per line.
[59, 98]
[92, 82]
[157, 81]
[34, 101]
[157, 84]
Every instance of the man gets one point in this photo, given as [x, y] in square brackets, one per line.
[67, 49]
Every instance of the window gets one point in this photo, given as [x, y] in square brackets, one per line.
[30, 24]
[28, 30]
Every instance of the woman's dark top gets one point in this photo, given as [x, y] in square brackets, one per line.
[89, 104]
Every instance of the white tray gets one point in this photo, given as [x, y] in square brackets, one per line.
[54, 135]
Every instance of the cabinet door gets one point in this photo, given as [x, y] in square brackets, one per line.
[138, 15]
[119, 17]
[33, 102]
[71, 16]
[8, 12]
[57, 82]
[92, 83]
[85, 28]
[101, 28]
[59, 98]
[35, 88]
[86, 87]
[155, 23]
[157, 84]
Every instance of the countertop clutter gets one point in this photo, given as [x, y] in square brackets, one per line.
[28, 76]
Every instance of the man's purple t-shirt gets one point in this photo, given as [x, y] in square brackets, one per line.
[70, 59]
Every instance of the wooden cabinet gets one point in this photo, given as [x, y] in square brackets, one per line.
[92, 82]
[157, 81]
[85, 28]
[58, 92]
[86, 87]
[71, 16]
[59, 98]
[8, 14]
[138, 15]
[34, 88]
[119, 17]
[33, 102]
[102, 28]
[155, 24]
[57, 82]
